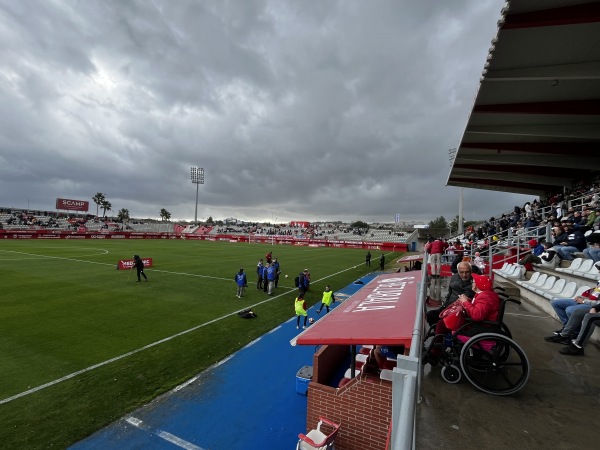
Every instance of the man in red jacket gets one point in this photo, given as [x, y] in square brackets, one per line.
[435, 248]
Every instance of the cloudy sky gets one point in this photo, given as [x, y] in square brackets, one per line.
[296, 110]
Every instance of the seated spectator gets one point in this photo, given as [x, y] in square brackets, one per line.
[572, 328]
[566, 307]
[485, 306]
[548, 256]
[593, 251]
[590, 320]
[534, 257]
[460, 283]
[570, 242]
[383, 352]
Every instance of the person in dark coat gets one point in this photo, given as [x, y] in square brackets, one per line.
[460, 283]
[139, 265]
[574, 241]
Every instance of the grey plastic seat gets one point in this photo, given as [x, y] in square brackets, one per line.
[567, 292]
[585, 267]
[548, 284]
[533, 286]
[556, 289]
[575, 264]
[532, 280]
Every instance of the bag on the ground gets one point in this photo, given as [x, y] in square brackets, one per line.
[454, 316]
[247, 314]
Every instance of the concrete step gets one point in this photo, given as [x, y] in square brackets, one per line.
[509, 288]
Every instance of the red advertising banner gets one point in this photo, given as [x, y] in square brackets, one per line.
[277, 240]
[72, 205]
[127, 264]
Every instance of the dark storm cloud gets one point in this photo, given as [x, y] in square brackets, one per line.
[297, 110]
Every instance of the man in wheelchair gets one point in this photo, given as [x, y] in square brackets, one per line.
[484, 306]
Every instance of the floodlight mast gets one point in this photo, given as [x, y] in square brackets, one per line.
[197, 175]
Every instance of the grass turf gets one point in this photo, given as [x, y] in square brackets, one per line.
[65, 308]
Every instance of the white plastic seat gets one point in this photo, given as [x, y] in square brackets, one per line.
[592, 274]
[556, 289]
[532, 280]
[568, 291]
[539, 283]
[361, 358]
[574, 266]
[511, 269]
[581, 290]
[585, 267]
[548, 284]
[518, 273]
[316, 439]
[501, 270]
[349, 371]
[506, 268]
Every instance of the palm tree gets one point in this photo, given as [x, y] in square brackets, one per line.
[164, 214]
[123, 215]
[98, 199]
[106, 206]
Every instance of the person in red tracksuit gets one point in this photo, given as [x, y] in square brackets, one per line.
[435, 248]
[485, 305]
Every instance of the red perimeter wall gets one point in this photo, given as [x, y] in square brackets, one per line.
[279, 240]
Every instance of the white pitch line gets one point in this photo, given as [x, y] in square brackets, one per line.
[162, 434]
[153, 344]
[112, 265]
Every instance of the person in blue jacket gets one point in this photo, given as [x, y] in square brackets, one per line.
[240, 280]
[303, 281]
[277, 271]
[271, 274]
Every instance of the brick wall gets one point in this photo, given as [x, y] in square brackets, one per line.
[363, 407]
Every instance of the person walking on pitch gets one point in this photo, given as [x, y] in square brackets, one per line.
[139, 265]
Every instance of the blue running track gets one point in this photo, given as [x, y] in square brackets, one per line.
[248, 401]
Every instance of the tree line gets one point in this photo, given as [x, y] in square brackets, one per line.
[123, 214]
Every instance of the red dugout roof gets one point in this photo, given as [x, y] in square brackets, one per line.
[382, 312]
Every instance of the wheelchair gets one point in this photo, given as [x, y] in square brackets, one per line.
[484, 353]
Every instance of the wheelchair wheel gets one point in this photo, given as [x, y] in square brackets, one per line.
[451, 374]
[494, 364]
[505, 331]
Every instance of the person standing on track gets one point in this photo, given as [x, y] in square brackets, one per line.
[139, 265]
[300, 308]
[328, 298]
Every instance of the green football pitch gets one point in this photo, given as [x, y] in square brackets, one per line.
[82, 343]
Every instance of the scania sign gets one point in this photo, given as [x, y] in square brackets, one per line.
[72, 205]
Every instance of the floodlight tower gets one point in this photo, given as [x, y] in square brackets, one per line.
[452, 157]
[197, 175]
